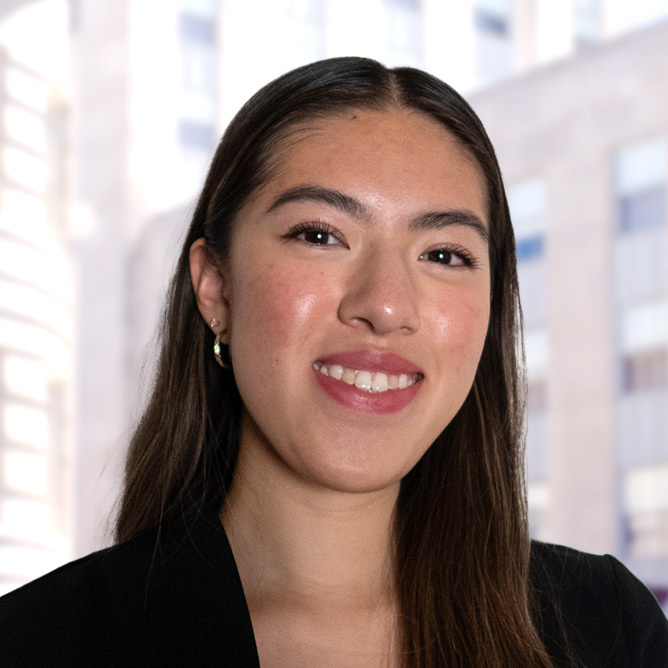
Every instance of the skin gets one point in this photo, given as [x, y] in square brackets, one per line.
[310, 511]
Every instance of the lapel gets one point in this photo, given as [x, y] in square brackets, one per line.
[181, 598]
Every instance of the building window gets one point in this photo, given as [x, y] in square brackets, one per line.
[529, 248]
[526, 201]
[641, 426]
[494, 53]
[647, 370]
[198, 52]
[644, 328]
[643, 210]
[196, 135]
[194, 28]
[640, 180]
[491, 22]
[197, 117]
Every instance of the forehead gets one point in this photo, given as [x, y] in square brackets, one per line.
[399, 155]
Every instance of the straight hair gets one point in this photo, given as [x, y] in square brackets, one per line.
[461, 542]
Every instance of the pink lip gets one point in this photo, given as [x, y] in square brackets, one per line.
[372, 360]
[381, 403]
[351, 397]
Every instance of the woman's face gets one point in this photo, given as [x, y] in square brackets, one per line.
[356, 299]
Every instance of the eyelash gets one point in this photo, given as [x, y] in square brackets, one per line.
[324, 228]
[468, 260]
[313, 226]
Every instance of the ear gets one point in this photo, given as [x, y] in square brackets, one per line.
[209, 285]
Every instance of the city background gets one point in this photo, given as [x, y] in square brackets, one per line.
[109, 114]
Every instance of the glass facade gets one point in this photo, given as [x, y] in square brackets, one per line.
[641, 289]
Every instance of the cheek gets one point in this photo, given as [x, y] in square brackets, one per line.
[273, 306]
[461, 326]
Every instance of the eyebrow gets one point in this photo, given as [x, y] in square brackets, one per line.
[437, 220]
[334, 198]
[431, 220]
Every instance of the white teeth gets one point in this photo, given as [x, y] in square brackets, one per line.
[366, 380]
[380, 382]
[363, 381]
[348, 376]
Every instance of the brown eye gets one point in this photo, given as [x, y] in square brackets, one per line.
[315, 234]
[444, 256]
[318, 237]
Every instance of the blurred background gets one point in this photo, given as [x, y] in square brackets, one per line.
[109, 114]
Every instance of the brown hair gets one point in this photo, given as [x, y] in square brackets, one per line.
[462, 544]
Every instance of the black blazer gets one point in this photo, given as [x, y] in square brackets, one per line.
[173, 597]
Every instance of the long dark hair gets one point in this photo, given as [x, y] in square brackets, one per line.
[461, 539]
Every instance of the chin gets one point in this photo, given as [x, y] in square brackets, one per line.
[357, 479]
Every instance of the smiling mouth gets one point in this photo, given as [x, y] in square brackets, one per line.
[368, 381]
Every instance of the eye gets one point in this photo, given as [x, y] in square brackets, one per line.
[315, 233]
[450, 256]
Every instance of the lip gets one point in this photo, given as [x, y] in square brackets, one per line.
[372, 360]
[380, 403]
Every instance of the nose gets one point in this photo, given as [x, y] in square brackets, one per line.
[381, 296]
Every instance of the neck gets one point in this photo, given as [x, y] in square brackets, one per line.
[317, 544]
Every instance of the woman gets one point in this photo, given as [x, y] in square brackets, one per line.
[347, 489]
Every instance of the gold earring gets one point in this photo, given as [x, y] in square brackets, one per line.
[218, 353]
[218, 348]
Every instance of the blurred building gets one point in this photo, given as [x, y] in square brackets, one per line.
[36, 327]
[153, 85]
[584, 148]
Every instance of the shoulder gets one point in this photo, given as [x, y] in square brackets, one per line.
[70, 609]
[594, 607]
[161, 599]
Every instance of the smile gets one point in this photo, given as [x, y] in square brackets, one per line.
[367, 381]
